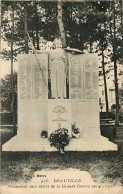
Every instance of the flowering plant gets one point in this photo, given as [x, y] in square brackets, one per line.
[44, 134]
[75, 130]
[59, 139]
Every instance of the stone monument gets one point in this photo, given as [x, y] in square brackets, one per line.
[38, 112]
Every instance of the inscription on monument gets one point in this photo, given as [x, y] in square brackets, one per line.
[23, 80]
[83, 74]
[34, 83]
[76, 77]
[29, 81]
[91, 77]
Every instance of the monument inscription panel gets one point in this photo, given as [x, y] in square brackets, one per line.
[91, 76]
[76, 76]
[29, 82]
[83, 74]
[23, 80]
[40, 82]
[33, 82]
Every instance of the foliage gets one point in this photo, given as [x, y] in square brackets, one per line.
[6, 92]
[59, 138]
[84, 23]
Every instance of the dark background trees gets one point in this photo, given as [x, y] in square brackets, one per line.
[7, 92]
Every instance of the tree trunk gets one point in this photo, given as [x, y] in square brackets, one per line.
[81, 38]
[80, 30]
[116, 94]
[90, 45]
[122, 19]
[12, 77]
[61, 25]
[105, 84]
[37, 39]
[26, 30]
[33, 37]
[36, 26]
[115, 74]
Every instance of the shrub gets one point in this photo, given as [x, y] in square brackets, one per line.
[59, 139]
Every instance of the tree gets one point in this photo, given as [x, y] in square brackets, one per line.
[36, 25]
[61, 25]
[102, 37]
[116, 38]
[105, 84]
[7, 93]
[115, 75]
[121, 96]
[12, 77]
[26, 28]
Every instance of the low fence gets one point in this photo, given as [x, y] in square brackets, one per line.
[111, 115]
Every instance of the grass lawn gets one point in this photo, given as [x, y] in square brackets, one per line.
[104, 167]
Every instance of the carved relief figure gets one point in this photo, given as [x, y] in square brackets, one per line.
[58, 71]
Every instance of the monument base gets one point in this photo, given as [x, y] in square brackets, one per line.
[42, 144]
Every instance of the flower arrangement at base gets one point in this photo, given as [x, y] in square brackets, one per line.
[59, 139]
[44, 134]
[75, 131]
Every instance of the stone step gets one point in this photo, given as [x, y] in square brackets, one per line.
[81, 144]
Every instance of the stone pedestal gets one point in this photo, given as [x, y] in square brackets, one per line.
[86, 116]
[32, 118]
[59, 115]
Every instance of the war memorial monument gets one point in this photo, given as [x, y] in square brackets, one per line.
[58, 94]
